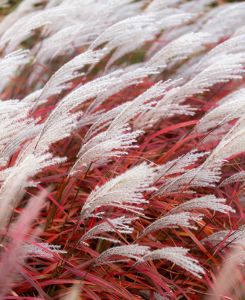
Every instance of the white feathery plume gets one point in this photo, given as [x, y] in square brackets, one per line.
[100, 89]
[163, 21]
[120, 224]
[120, 79]
[24, 27]
[53, 3]
[128, 110]
[232, 96]
[34, 97]
[161, 112]
[72, 37]
[215, 135]
[226, 21]
[102, 120]
[209, 173]
[117, 138]
[10, 64]
[59, 80]
[81, 10]
[190, 6]
[15, 126]
[239, 31]
[139, 28]
[173, 221]
[178, 256]
[17, 178]
[141, 104]
[124, 191]
[42, 250]
[11, 130]
[61, 122]
[187, 70]
[110, 8]
[12, 108]
[135, 252]
[50, 132]
[229, 237]
[220, 236]
[157, 5]
[238, 177]
[234, 45]
[180, 49]
[25, 7]
[105, 146]
[128, 9]
[91, 118]
[228, 67]
[200, 19]
[232, 107]
[16, 136]
[180, 164]
[186, 23]
[149, 117]
[170, 35]
[118, 34]
[231, 144]
[166, 21]
[94, 13]
[197, 7]
[166, 13]
[202, 176]
[88, 21]
[21, 165]
[93, 19]
[205, 202]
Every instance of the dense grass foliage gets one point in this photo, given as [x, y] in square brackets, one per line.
[122, 145]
